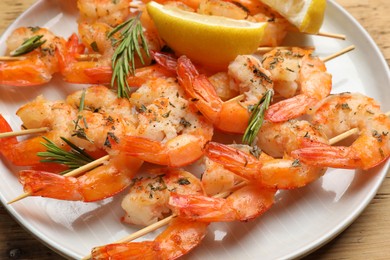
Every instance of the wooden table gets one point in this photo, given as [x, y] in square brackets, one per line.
[367, 238]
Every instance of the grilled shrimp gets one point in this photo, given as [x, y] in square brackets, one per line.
[339, 113]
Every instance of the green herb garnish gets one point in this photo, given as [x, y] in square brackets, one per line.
[28, 45]
[257, 117]
[74, 158]
[78, 130]
[127, 45]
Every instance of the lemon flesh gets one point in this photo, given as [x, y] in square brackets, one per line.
[212, 41]
[306, 15]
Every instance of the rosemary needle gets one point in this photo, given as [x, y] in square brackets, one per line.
[28, 45]
[74, 158]
[127, 45]
[257, 117]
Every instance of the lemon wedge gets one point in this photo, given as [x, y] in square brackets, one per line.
[212, 41]
[306, 15]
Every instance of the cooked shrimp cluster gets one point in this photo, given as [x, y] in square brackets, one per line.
[180, 115]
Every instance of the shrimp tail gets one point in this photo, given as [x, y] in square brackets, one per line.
[10, 147]
[166, 61]
[329, 156]
[169, 154]
[135, 250]
[199, 88]
[46, 184]
[99, 75]
[31, 72]
[289, 109]
[6, 142]
[243, 164]
[72, 49]
[201, 208]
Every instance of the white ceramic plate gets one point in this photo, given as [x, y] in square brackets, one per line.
[301, 220]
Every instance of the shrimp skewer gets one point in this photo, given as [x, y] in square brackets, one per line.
[106, 119]
[372, 146]
[165, 246]
[37, 66]
[147, 199]
[274, 168]
[299, 77]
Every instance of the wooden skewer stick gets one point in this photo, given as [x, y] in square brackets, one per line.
[73, 173]
[88, 57]
[267, 49]
[332, 35]
[343, 51]
[10, 58]
[24, 132]
[80, 57]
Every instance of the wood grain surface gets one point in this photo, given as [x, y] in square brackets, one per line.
[367, 238]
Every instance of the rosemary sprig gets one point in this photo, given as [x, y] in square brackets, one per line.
[74, 158]
[257, 117]
[78, 130]
[127, 45]
[28, 45]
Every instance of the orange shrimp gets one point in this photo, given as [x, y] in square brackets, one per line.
[283, 173]
[230, 116]
[56, 115]
[170, 131]
[300, 77]
[339, 113]
[244, 204]
[100, 183]
[178, 239]
[37, 66]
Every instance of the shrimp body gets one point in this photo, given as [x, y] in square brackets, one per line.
[169, 132]
[106, 11]
[253, 11]
[93, 39]
[280, 139]
[55, 115]
[216, 179]
[301, 78]
[222, 8]
[230, 116]
[39, 65]
[341, 112]
[147, 200]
